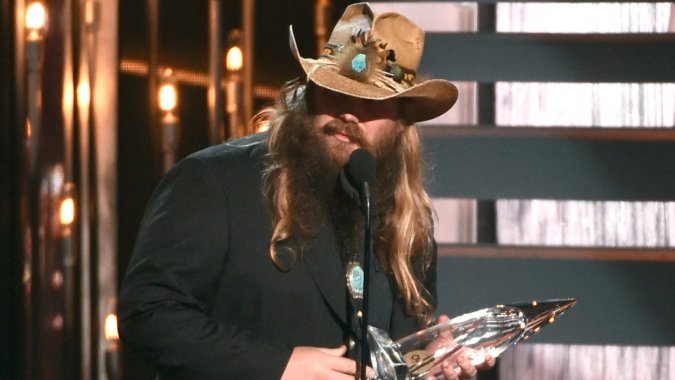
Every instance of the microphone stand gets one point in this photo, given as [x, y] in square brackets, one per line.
[358, 171]
[367, 249]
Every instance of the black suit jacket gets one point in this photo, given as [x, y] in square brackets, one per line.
[202, 299]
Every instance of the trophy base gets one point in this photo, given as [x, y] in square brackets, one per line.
[386, 359]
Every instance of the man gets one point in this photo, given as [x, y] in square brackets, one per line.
[248, 258]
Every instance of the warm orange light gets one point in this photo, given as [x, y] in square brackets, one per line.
[68, 97]
[67, 211]
[168, 97]
[36, 16]
[111, 333]
[234, 60]
[83, 94]
[29, 129]
[262, 127]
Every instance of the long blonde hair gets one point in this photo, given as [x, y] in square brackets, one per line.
[404, 240]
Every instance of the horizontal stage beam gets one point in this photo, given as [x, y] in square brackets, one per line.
[619, 302]
[498, 251]
[493, 57]
[549, 167]
[591, 133]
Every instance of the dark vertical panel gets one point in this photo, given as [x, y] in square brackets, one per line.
[248, 24]
[152, 57]
[486, 209]
[72, 271]
[215, 90]
[10, 247]
[49, 346]
[32, 251]
[487, 17]
[135, 185]
[486, 104]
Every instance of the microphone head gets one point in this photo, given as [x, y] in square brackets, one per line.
[360, 168]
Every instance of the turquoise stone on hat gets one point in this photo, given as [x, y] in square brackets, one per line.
[359, 63]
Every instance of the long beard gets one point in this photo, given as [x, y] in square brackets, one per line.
[314, 165]
[346, 215]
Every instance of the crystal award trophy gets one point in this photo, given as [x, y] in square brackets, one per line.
[487, 331]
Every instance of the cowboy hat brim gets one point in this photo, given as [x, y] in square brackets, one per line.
[424, 101]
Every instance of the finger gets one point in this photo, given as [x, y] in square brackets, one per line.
[370, 373]
[338, 363]
[488, 363]
[347, 366]
[468, 370]
[450, 371]
[339, 351]
[446, 333]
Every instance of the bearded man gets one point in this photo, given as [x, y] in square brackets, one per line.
[243, 264]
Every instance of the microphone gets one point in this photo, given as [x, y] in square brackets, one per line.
[357, 174]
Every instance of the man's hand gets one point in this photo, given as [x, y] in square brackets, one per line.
[457, 366]
[316, 363]
[463, 369]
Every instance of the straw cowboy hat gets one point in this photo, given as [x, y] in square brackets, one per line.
[376, 56]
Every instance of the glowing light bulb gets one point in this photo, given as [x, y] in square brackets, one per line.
[234, 60]
[83, 94]
[36, 16]
[168, 97]
[67, 211]
[110, 331]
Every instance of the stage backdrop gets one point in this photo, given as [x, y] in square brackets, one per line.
[552, 177]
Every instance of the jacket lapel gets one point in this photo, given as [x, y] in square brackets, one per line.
[325, 265]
